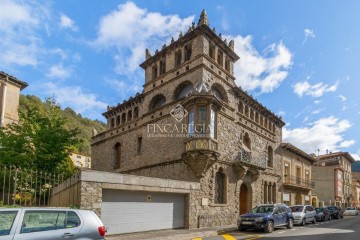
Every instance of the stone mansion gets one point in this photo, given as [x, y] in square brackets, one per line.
[193, 123]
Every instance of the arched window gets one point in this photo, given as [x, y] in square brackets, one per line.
[117, 156]
[129, 115]
[117, 120]
[178, 58]
[187, 52]
[247, 141]
[220, 187]
[257, 117]
[112, 123]
[252, 114]
[270, 153]
[157, 102]
[247, 111]
[241, 108]
[136, 112]
[183, 90]
[219, 92]
[123, 118]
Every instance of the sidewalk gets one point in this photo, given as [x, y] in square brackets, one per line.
[173, 234]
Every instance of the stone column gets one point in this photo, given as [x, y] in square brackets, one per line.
[270, 193]
[265, 193]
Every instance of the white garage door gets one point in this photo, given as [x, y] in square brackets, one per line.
[135, 211]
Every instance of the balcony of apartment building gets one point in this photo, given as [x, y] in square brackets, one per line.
[298, 182]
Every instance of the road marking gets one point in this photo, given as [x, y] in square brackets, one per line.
[196, 238]
[228, 236]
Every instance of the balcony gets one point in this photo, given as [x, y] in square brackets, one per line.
[200, 154]
[296, 182]
[246, 158]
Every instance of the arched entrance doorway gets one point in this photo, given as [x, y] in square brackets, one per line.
[244, 197]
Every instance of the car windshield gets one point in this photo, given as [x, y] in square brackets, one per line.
[319, 210]
[350, 208]
[297, 208]
[332, 208]
[262, 209]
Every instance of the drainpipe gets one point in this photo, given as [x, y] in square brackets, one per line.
[2, 123]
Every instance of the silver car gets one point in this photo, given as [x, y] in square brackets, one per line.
[303, 214]
[50, 223]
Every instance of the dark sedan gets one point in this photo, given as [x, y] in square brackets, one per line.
[322, 214]
[335, 212]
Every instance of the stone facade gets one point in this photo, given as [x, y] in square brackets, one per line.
[297, 179]
[10, 88]
[193, 123]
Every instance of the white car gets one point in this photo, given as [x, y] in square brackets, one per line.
[303, 214]
[351, 211]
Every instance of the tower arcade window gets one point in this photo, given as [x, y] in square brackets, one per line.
[188, 52]
[136, 112]
[227, 64]
[123, 118]
[212, 51]
[129, 115]
[247, 141]
[117, 155]
[178, 58]
[157, 102]
[184, 89]
[270, 153]
[220, 58]
[154, 71]
[162, 66]
[112, 123]
[118, 120]
[220, 187]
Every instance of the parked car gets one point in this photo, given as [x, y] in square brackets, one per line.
[50, 223]
[303, 214]
[335, 212]
[266, 217]
[322, 214]
[351, 211]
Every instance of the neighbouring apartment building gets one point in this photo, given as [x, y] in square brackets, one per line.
[80, 161]
[333, 180]
[193, 123]
[297, 179]
[10, 88]
[355, 198]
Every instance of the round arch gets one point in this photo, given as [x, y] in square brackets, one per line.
[183, 89]
[219, 92]
[157, 102]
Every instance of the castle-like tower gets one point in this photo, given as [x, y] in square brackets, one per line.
[192, 123]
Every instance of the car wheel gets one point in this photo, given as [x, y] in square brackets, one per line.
[269, 228]
[314, 221]
[303, 222]
[290, 224]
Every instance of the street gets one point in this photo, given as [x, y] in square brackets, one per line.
[347, 228]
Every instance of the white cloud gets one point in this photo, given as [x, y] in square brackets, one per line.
[77, 99]
[317, 111]
[59, 71]
[342, 98]
[316, 90]
[19, 23]
[317, 101]
[124, 87]
[130, 29]
[67, 22]
[308, 33]
[265, 72]
[324, 134]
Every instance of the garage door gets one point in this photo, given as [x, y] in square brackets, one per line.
[136, 211]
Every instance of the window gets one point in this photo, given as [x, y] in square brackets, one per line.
[157, 102]
[220, 187]
[270, 156]
[112, 123]
[227, 65]
[217, 93]
[178, 58]
[188, 52]
[201, 120]
[162, 66]
[123, 118]
[220, 58]
[298, 175]
[212, 51]
[78, 156]
[129, 115]
[38, 221]
[183, 90]
[247, 111]
[154, 72]
[139, 145]
[247, 141]
[241, 108]
[287, 173]
[136, 112]
[252, 114]
[212, 123]
[257, 117]
[6, 221]
[117, 153]
[191, 122]
[117, 120]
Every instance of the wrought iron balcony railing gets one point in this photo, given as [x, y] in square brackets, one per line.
[247, 158]
[298, 182]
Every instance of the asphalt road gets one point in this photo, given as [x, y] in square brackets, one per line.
[343, 229]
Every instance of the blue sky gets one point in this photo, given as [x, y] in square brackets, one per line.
[299, 58]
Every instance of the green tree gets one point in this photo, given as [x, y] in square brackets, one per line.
[39, 140]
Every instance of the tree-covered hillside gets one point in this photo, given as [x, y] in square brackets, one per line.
[73, 121]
